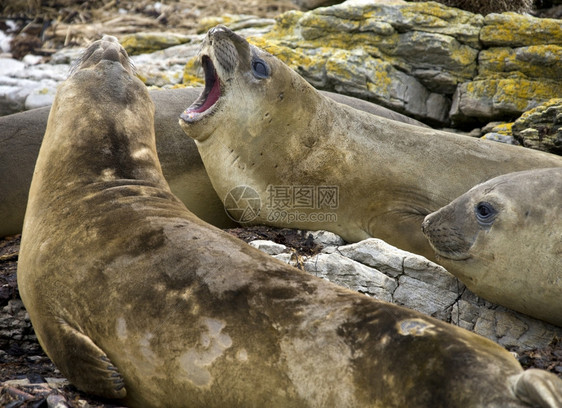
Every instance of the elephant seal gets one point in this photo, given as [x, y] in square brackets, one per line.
[22, 133]
[313, 163]
[503, 240]
[133, 297]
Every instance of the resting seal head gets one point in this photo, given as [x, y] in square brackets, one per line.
[503, 239]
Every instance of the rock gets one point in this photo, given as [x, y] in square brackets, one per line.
[426, 60]
[535, 61]
[498, 137]
[541, 127]
[312, 4]
[26, 85]
[10, 66]
[143, 43]
[40, 97]
[165, 67]
[490, 6]
[237, 23]
[16, 334]
[352, 275]
[506, 327]
[381, 69]
[387, 273]
[269, 247]
[57, 401]
[490, 99]
[515, 30]
[325, 238]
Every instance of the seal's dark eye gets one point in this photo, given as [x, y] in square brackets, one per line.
[485, 213]
[260, 69]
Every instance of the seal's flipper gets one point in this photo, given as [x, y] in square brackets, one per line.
[539, 388]
[85, 364]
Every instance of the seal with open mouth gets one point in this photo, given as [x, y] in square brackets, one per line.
[503, 240]
[22, 133]
[259, 124]
[133, 297]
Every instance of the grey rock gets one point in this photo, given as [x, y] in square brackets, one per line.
[352, 275]
[387, 273]
[9, 66]
[269, 247]
[497, 137]
[425, 297]
[326, 238]
[40, 97]
[541, 128]
[312, 4]
[57, 401]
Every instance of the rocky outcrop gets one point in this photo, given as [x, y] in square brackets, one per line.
[518, 68]
[541, 127]
[489, 6]
[387, 273]
[426, 60]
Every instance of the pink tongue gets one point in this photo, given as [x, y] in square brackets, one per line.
[213, 96]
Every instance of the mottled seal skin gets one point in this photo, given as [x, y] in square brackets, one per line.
[503, 239]
[21, 135]
[260, 124]
[133, 297]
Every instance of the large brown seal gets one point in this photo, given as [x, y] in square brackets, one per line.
[317, 164]
[503, 239]
[21, 135]
[134, 297]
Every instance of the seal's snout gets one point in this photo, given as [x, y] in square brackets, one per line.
[105, 49]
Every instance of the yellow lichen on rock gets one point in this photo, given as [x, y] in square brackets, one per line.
[536, 61]
[516, 30]
[193, 73]
[510, 96]
[503, 128]
[288, 55]
[142, 43]
[541, 108]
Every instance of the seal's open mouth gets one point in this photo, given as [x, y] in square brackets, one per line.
[208, 97]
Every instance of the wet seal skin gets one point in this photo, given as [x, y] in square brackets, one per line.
[503, 240]
[259, 124]
[133, 297]
[21, 135]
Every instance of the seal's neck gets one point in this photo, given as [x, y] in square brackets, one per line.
[88, 141]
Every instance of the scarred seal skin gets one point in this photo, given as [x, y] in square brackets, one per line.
[259, 124]
[21, 135]
[503, 240]
[133, 297]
